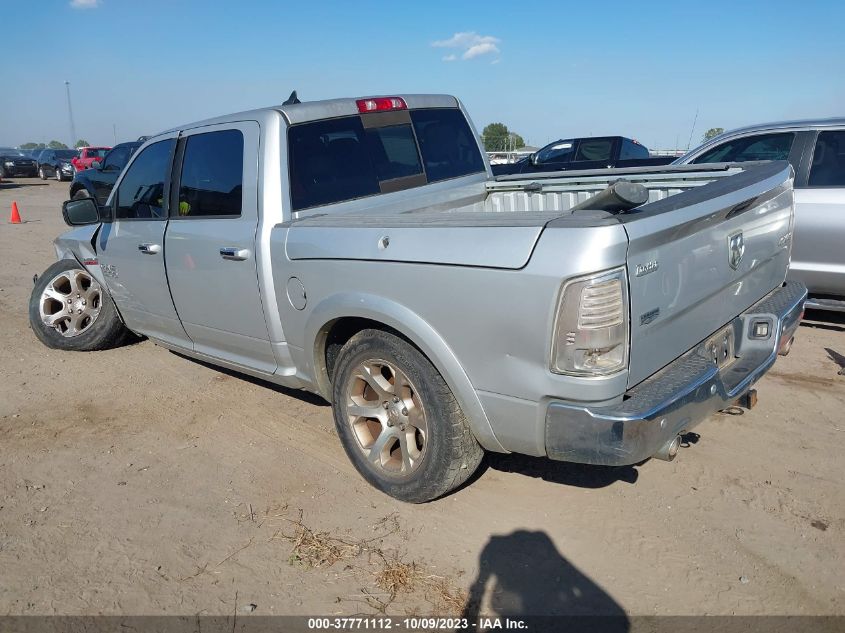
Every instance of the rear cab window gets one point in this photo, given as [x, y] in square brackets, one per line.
[336, 160]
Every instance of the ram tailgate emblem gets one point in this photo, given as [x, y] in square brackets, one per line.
[736, 249]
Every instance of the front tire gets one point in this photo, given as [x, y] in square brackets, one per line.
[70, 310]
[42, 174]
[399, 422]
[58, 174]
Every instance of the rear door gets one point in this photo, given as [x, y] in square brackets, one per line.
[699, 258]
[210, 244]
[130, 248]
[818, 257]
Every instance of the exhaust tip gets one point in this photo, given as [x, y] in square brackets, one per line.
[669, 451]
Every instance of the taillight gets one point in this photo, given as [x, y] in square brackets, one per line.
[380, 104]
[591, 329]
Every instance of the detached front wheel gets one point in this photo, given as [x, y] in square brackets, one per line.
[70, 310]
[398, 420]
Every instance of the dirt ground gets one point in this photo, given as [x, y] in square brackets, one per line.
[135, 481]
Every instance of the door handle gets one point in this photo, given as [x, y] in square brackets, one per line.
[149, 249]
[234, 253]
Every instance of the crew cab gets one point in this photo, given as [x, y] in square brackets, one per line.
[88, 155]
[360, 249]
[584, 153]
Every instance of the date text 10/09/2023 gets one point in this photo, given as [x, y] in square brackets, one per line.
[416, 624]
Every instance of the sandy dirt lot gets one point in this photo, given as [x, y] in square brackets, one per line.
[135, 481]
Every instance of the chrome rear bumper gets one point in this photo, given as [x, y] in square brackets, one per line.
[677, 397]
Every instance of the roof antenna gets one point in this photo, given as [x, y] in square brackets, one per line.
[292, 99]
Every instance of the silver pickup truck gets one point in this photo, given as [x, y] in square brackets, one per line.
[361, 250]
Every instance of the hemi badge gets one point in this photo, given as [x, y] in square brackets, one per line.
[649, 316]
[89, 262]
[648, 267]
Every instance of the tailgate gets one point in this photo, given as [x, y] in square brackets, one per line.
[699, 258]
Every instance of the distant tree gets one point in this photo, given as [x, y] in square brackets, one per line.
[33, 146]
[56, 145]
[712, 133]
[497, 138]
[82, 143]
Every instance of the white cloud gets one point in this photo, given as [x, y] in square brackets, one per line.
[480, 49]
[84, 4]
[473, 45]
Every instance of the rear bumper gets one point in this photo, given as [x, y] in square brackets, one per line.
[677, 397]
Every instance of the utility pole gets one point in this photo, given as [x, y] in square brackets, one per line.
[70, 116]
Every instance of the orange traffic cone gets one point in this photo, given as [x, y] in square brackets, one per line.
[16, 216]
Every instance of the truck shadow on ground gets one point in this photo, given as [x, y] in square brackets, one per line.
[566, 473]
[525, 577]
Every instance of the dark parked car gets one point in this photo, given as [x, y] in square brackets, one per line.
[56, 163]
[14, 162]
[595, 152]
[98, 181]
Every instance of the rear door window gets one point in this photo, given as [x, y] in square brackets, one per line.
[774, 146]
[211, 182]
[828, 167]
[594, 149]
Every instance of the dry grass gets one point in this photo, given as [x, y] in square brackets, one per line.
[392, 575]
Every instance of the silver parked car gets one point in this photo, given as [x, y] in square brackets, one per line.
[816, 150]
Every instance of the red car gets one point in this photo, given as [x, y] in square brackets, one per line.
[88, 155]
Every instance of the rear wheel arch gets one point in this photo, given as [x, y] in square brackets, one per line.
[338, 319]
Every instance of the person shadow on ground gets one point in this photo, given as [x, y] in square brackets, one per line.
[530, 580]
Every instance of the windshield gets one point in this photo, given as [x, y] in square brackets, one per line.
[97, 152]
[66, 153]
[8, 151]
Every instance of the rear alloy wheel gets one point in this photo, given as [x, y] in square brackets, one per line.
[70, 310]
[399, 422]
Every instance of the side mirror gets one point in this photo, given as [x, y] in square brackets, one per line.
[95, 164]
[81, 212]
[533, 158]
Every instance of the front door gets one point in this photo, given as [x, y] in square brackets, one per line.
[130, 248]
[210, 244]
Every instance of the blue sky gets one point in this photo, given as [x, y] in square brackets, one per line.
[545, 69]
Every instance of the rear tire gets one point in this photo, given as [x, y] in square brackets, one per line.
[70, 310]
[42, 174]
[399, 422]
